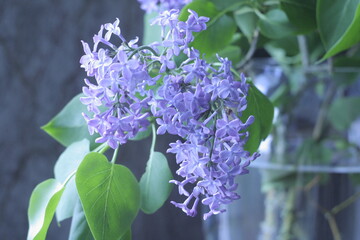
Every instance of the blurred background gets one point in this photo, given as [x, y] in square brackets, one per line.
[39, 73]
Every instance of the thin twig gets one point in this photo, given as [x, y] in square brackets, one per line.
[328, 216]
[304, 51]
[321, 117]
[251, 51]
[312, 183]
[333, 225]
[335, 210]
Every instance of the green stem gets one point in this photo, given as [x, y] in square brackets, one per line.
[69, 177]
[235, 73]
[329, 216]
[226, 10]
[128, 46]
[303, 51]
[251, 51]
[99, 147]
[333, 226]
[286, 231]
[322, 114]
[143, 48]
[104, 149]
[270, 3]
[152, 148]
[335, 210]
[115, 155]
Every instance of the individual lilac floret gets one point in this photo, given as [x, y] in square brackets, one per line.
[162, 5]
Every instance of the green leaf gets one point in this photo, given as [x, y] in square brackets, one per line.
[69, 126]
[315, 47]
[220, 28]
[259, 106]
[247, 21]
[154, 184]
[67, 163]
[70, 159]
[109, 194]
[152, 33]
[288, 44]
[224, 4]
[233, 53]
[127, 235]
[67, 202]
[275, 24]
[339, 24]
[343, 112]
[346, 70]
[42, 206]
[301, 13]
[79, 229]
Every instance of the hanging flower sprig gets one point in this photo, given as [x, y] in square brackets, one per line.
[131, 86]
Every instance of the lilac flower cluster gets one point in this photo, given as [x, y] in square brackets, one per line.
[120, 76]
[162, 5]
[204, 105]
[198, 101]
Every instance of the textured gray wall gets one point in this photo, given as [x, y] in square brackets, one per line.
[39, 72]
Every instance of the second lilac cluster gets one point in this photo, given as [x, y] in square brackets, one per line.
[204, 105]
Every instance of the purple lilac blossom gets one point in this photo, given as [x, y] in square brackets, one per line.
[203, 104]
[162, 5]
[117, 80]
[198, 101]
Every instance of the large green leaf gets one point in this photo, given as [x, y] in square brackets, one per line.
[109, 194]
[67, 202]
[152, 33]
[275, 24]
[233, 53]
[247, 21]
[155, 179]
[127, 235]
[220, 28]
[301, 13]
[79, 229]
[346, 70]
[225, 4]
[343, 112]
[68, 125]
[70, 159]
[339, 24]
[67, 164]
[259, 106]
[287, 44]
[42, 206]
